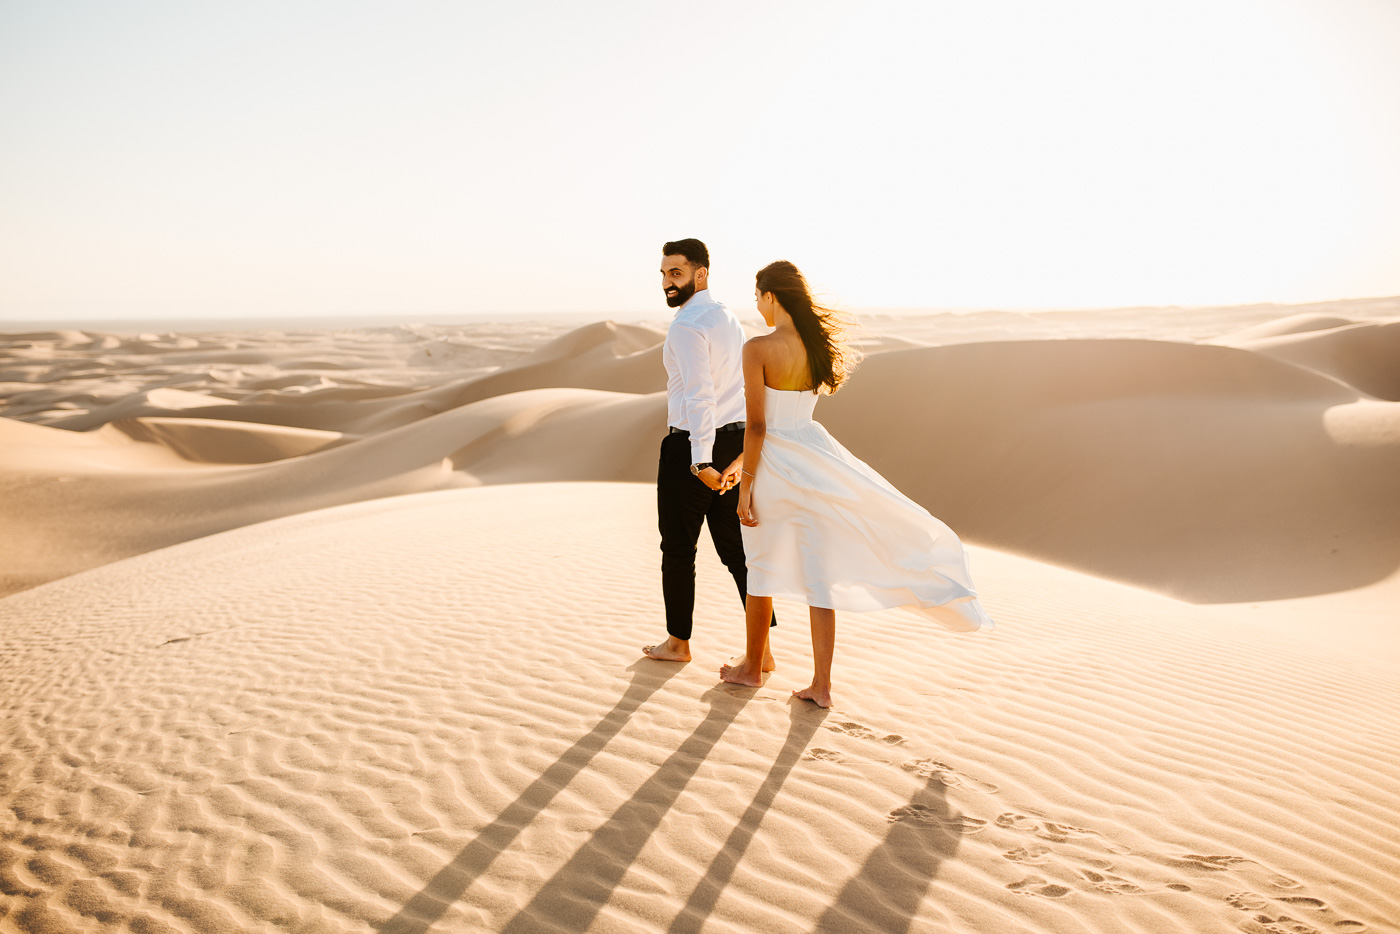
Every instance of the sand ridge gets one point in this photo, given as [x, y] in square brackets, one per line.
[1359, 353]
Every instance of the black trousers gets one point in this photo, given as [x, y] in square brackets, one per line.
[683, 504]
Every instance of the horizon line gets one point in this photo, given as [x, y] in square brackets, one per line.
[504, 317]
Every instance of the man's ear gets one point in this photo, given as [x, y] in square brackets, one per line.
[702, 276]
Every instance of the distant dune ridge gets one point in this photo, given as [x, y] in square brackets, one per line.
[1362, 354]
[337, 630]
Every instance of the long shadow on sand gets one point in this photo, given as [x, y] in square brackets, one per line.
[424, 910]
[884, 896]
[585, 883]
[806, 718]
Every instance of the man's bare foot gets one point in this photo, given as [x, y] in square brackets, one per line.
[672, 650]
[741, 673]
[819, 696]
[768, 663]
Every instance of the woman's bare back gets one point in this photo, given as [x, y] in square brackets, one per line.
[785, 364]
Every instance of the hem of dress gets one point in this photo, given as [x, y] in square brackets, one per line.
[983, 623]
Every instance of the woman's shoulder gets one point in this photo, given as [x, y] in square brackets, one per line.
[773, 342]
[769, 349]
[762, 345]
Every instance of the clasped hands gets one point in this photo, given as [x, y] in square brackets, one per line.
[726, 481]
[721, 482]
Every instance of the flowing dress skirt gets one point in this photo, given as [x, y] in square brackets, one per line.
[834, 533]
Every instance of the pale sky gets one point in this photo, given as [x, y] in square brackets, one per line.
[197, 159]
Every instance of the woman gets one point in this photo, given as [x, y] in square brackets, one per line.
[819, 525]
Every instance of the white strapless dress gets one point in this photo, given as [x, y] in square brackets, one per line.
[834, 533]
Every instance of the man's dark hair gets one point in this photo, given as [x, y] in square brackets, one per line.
[691, 249]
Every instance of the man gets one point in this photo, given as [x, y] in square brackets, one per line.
[701, 454]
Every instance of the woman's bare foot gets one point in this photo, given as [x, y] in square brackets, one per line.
[819, 696]
[741, 673]
[672, 650]
[768, 663]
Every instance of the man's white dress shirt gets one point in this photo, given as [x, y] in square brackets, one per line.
[704, 355]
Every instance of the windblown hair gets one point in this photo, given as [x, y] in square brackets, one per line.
[823, 330]
[693, 250]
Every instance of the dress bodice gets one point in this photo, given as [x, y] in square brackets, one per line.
[788, 408]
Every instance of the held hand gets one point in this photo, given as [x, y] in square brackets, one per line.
[731, 474]
[711, 478]
[745, 510]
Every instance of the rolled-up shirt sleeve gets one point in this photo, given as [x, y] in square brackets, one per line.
[692, 350]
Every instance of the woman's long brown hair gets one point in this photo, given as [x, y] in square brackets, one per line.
[822, 329]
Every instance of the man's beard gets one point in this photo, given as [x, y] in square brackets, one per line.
[683, 293]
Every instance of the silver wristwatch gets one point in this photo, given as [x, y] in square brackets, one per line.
[696, 468]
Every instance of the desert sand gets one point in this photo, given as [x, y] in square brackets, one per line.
[338, 630]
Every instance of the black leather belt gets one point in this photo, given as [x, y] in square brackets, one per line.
[732, 426]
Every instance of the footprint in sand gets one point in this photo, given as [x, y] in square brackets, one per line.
[1017, 821]
[1265, 924]
[1283, 924]
[851, 728]
[1114, 885]
[1056, 832]
[1227, 863]
[1032, 855]
[1178, 887]
[823, 755]
[1038, 885]
[949, 776]
[1042, 828]
[923, 814]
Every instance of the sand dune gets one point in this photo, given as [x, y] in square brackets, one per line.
[221, 442]
[77, 505]
[607, 356]
[1363, 354]
[1211, 473]
[428, 713]
[312, 448]
[1290, 324]
[1214, 473]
